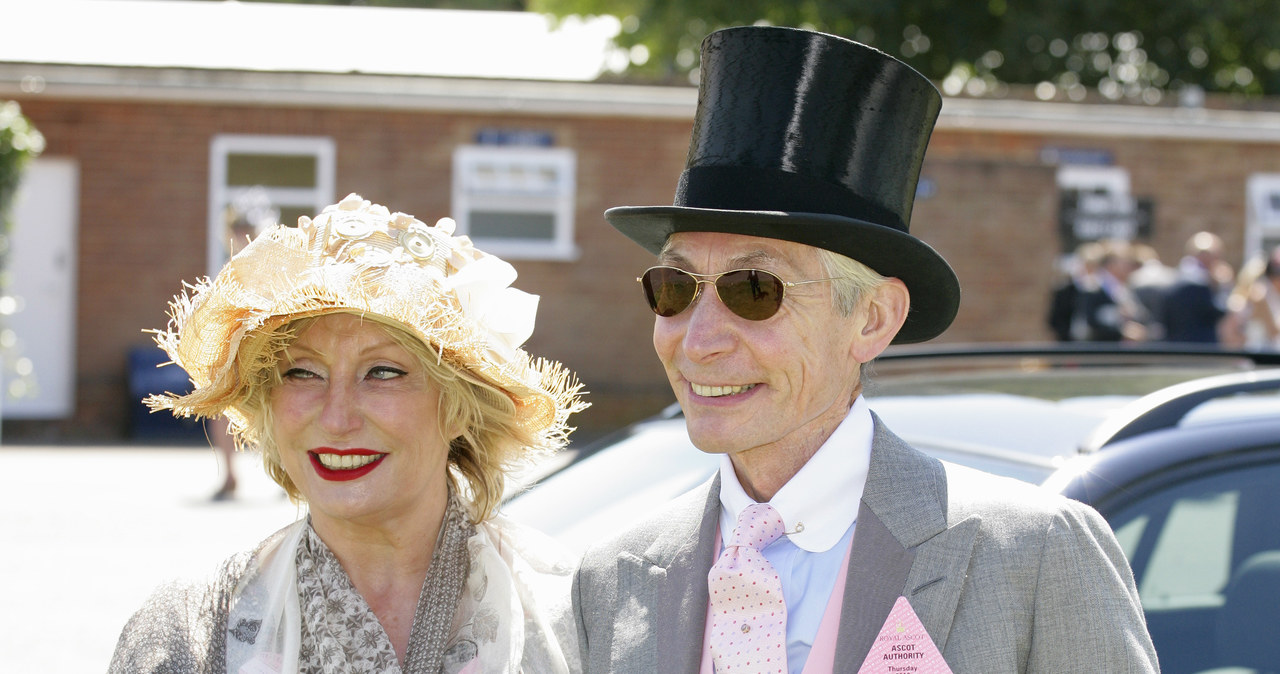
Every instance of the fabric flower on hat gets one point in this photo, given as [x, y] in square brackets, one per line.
[507, 314]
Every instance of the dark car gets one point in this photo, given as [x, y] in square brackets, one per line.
[1018, 411]
[1189, 479]
[1179, 449]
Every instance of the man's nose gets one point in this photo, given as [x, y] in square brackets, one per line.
[708, 325]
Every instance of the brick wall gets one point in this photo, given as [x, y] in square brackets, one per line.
[992, 212]
[995, 222]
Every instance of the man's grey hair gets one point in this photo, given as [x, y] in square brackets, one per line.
[853, 279]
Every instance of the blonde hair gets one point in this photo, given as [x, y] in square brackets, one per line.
[493, 439]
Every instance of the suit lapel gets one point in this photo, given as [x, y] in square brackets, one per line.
[936, 578]
[878, 569]
[664, 590]
[901, 546]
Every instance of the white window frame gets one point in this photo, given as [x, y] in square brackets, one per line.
[1102, 189]
[1262, 222]
[556, 199]
[314, 198]
[1108, 179]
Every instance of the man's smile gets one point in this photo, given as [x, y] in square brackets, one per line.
[719, 391]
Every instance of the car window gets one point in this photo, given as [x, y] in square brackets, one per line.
[612, 489]
[1204, 554]
[1191, 558]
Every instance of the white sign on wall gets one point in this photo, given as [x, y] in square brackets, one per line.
[1262, 228]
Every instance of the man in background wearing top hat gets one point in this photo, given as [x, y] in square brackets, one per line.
[805, 153]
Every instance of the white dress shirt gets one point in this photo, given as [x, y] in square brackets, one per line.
[818, 507]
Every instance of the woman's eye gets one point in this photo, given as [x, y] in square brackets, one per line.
[385, 372]
[299, 373]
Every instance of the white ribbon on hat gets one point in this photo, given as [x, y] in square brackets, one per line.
[506, 314]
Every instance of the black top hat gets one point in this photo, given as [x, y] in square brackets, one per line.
[815, 139]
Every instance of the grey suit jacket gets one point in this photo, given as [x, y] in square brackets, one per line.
[1004, 576]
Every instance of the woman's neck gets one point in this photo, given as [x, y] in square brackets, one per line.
[387, 563]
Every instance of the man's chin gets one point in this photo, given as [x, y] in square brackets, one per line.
[725, 429]
[715, 440]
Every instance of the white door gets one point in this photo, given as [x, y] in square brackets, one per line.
[39, 354]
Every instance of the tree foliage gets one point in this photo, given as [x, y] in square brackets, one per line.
[20, 142]
[505, 5]
[1125, 50]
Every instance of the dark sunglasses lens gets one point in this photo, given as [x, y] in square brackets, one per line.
[750, 293]
[668, 290]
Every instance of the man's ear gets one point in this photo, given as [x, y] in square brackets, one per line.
[881, 314]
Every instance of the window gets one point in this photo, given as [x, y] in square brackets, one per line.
[516, 202]
[256, 181]
[1095, 203]
[1262, 229]
[1205, 555]
[1190, 556]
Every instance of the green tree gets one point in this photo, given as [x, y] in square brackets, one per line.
[507, 5]
[1131, 50]
[20, 142]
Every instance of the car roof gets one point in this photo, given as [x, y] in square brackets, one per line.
[1227, 419]
[1129, 468]
[1061, 391]
[1171, 406]
[1022, 411]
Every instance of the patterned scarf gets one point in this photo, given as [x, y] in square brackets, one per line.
[341, 634]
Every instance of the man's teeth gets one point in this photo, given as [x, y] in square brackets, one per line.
[717, 391]
[347, 461]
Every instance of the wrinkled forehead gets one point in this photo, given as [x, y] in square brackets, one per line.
[707, 252]
[339, 331]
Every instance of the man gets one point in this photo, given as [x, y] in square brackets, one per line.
[1112, 311]
[805, 154]
[1197, 301]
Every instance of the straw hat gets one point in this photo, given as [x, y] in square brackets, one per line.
[358, 257]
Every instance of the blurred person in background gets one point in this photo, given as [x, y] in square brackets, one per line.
[1150, 283]
[249, 214]
[1080, 276]
[375, 362]
[1110, 309]
[1197, 301]
[1253, 308]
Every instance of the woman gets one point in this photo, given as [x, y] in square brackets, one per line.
[375, 362]
[1253, 308]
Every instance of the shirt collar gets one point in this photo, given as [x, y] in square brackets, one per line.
[820, 502]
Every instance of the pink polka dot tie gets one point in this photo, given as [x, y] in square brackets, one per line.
[748, 613]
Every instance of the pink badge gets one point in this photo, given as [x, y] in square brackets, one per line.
[903, 646]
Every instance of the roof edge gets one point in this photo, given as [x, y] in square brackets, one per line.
[581, 99]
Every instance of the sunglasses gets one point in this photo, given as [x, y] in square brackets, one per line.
[753, 294]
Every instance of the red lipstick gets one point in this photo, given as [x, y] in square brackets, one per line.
[344, 474]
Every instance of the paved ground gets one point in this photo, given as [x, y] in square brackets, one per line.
[87, 532]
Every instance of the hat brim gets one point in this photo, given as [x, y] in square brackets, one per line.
[933, 285]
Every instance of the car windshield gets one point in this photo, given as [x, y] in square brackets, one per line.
[1016, 415]
[1022, 421]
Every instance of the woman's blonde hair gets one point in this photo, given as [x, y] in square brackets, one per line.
[492, 441]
